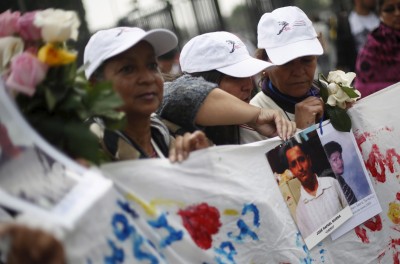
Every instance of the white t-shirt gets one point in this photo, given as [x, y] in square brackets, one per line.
[361, 26]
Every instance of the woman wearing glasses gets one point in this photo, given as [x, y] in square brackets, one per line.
[378, 62]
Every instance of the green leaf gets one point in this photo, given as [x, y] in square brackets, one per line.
[322, 77]
[105, 104]
[115, 124]
[72, 103]
[73, 138]
[323, 90]
[340, 120]
[62, 103]
[110, 114]
[349, 91]
[50, 99]
[81, 143]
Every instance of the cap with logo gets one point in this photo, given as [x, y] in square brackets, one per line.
[286, 34]
[107, 43]
[221, 51]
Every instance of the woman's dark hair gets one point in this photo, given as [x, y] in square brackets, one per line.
[170, 77]
[213, 76]
[289, 145]
[261, 54]
[98, 74]
[379, 5]
[331, 147]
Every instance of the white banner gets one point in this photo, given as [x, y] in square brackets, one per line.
[223, 205]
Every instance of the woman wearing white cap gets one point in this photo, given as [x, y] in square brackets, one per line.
[128, 58]
[286, 38]
[193, 101]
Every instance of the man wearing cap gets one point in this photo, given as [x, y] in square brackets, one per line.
[211, 60]
[287, 39]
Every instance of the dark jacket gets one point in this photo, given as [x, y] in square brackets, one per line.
[345, 44]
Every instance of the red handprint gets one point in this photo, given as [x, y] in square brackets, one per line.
[201, 221]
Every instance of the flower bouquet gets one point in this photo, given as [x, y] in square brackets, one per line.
[40, 73]
[338, 95]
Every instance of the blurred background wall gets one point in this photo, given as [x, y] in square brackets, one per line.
[188, 18]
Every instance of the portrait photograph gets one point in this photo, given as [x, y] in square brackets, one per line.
[316, 202]
[348, 167]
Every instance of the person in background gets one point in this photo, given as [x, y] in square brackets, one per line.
[287, 39]
[333, 151]
[218, 69]
[127, 57]
[324, 64]
[169, 62]
[378, 63]
[352, 31]
[321, 198]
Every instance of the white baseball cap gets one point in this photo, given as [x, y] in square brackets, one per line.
[286, 34]
[107, 43]
[221, 51]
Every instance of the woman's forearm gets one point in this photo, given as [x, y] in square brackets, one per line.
[222, 108]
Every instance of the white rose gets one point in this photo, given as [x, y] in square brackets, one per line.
[333, 88]
[57, 24]
[341, 77]
[336, 95]
[9, 47]
[339, 98]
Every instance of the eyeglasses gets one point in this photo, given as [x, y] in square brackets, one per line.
[391, 8]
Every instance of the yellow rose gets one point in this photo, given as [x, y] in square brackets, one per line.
[53, 56]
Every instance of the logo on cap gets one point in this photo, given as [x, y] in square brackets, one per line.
[299, 23]
[284, 24]
[234, 45]
[122, 30]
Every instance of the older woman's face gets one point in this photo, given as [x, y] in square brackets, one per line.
[390, 13]
[295, 77]
[136, 77]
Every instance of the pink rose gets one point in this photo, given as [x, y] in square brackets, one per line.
[26, 28]
[26, 73]
[8, 23]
